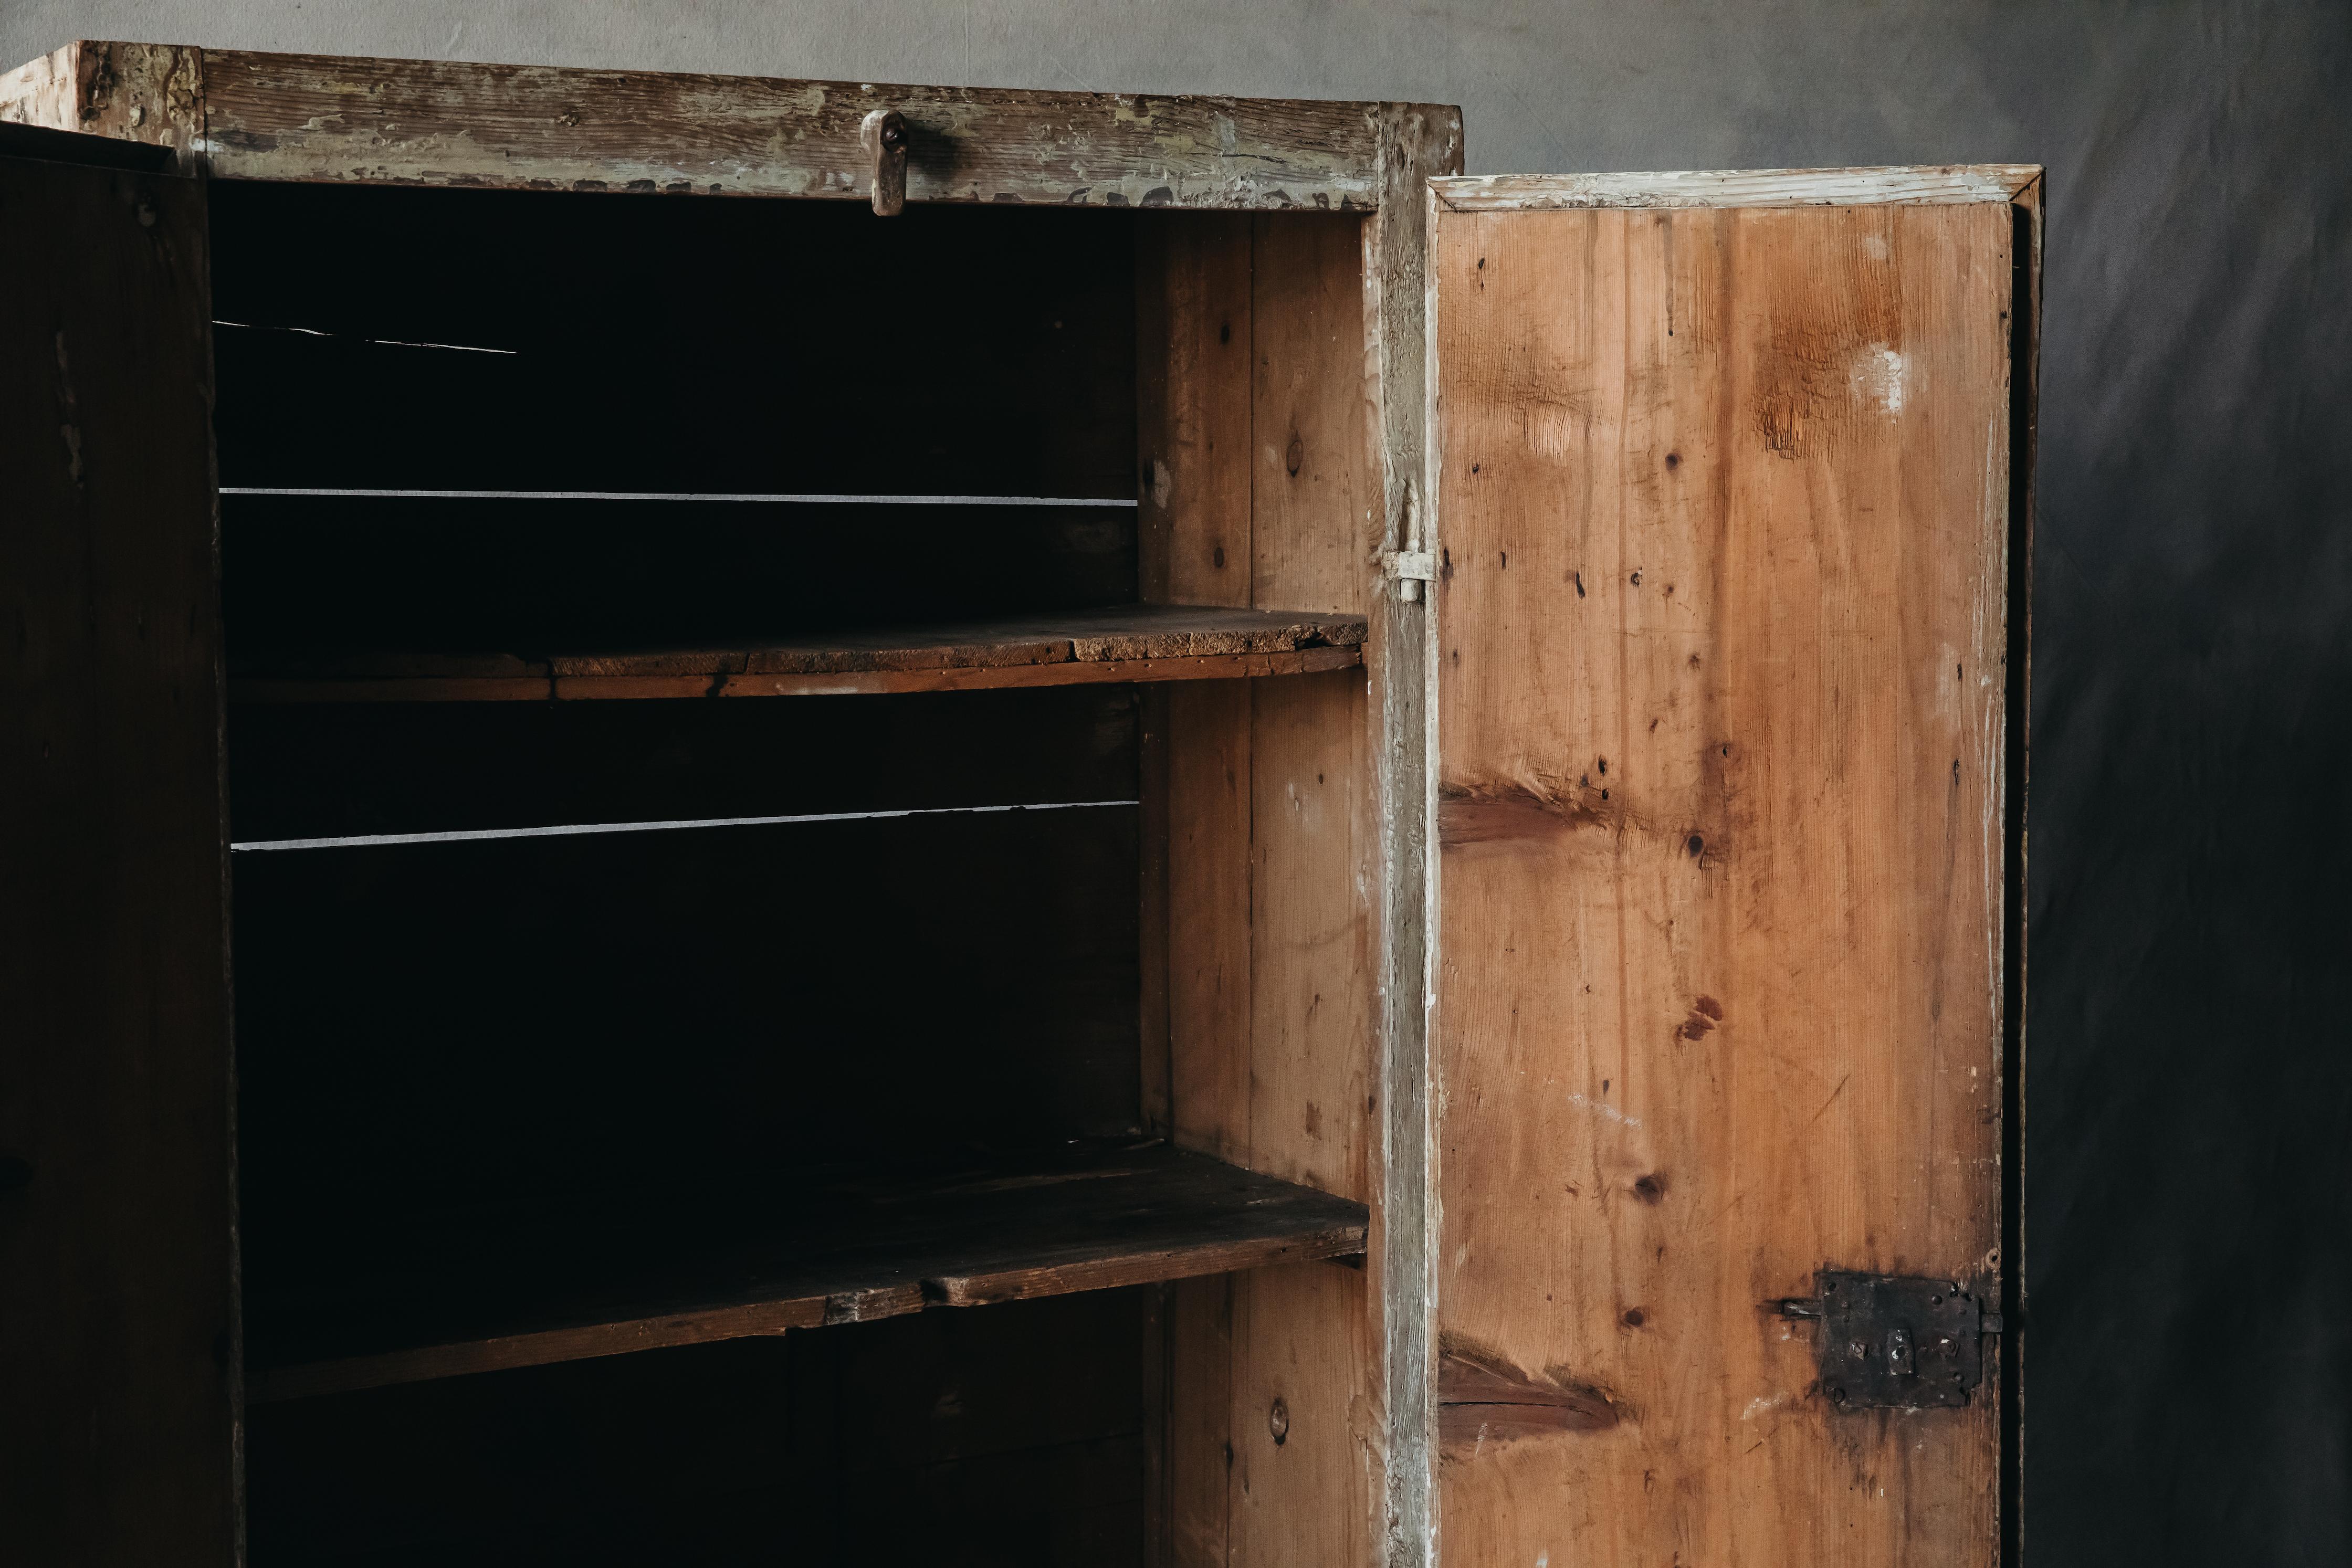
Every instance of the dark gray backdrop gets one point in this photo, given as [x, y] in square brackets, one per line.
[2190, 1088]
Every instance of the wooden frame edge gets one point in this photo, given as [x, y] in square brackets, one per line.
[1935, 184]
[360, 120]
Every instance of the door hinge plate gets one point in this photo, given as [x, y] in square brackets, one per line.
[1888, 1342]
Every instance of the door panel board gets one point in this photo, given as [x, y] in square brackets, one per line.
[1724, 509]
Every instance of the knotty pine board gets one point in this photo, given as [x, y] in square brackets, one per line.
[1723, 518]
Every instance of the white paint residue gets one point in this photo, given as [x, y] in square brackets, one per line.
[1877, 376]
[1874, 246]
[1759, 1406]
[1543, 1560]
[1609, 1113]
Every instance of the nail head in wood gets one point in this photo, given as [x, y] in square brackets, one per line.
[884, 134]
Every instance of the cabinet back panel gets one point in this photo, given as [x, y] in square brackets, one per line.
[380, 338]
[662, 345]
[439, 1027]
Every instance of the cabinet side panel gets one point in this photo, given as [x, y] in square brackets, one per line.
[1192, 412]
[1723, 524]
[117, 1316]
[1311, 497]
[1303, 1373]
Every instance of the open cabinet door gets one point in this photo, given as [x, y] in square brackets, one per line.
[1730, 527]
[117, 1265]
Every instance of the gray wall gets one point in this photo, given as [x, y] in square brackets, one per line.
[2189, 1187]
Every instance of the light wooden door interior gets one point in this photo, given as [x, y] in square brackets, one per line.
[1727, 846]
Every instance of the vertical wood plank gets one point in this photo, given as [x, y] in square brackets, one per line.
[1415, 143]
[1311, 500]
[1193, 365]
[1209, 902]
[118, 1332]
[1199, 1421]
[1192, 361]
[1301, 1335]
[1725, 507]
[1158, 1109]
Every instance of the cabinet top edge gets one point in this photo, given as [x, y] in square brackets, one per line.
[365, 120]
[1924, 184]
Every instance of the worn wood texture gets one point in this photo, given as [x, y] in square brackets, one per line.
[118, 1316]
[1193, 408]
[1724, 530]
[1311, 496]
[568, 1287]
[1957, 183]
[876, 683]
[135, 92]
[1125, 644]
[323, 118]
[1414, 148]
[1272, 863]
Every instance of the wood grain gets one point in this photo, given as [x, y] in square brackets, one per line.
[1311, 494]
[152, 93]
[1132, 643]
[1414, 147]
[323, 118]
[1750, 188]
[1267, 499]
[1193, 408]
[569, 1287]
[1726, 509]
[118, 1313]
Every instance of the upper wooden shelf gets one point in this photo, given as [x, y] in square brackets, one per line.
[1128, 643]
[523, 1291]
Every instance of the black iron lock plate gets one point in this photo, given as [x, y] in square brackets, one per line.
[1887, 1342]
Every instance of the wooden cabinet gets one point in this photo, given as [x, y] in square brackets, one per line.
[1396, 833]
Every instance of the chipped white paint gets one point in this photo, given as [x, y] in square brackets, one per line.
[1877, 376]
[437, 122]
[1737, 188]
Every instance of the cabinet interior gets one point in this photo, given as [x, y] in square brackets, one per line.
[937, 1125]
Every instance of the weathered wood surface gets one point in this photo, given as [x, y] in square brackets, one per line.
[1414, 148]
[569, 1287]
[1130, 642]
[1725, 530]
[1260, 474]
[135, 92]
[1738, 187]
[118, 1316]
[316, 116]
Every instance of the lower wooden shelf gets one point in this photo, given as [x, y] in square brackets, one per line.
[525, 1289]
[1124, 642]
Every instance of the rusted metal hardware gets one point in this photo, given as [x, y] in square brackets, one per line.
[1889, 1342]
[883, 133]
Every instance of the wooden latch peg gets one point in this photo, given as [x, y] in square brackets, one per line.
[884, 134]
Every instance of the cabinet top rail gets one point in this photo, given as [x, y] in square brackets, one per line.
[321, 118]
[1937, 184]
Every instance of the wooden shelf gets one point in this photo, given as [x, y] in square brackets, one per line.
[515, 1290]
[1126, 642]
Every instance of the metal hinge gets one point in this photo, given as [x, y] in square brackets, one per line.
[1409, 565]
[1888, 1342]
